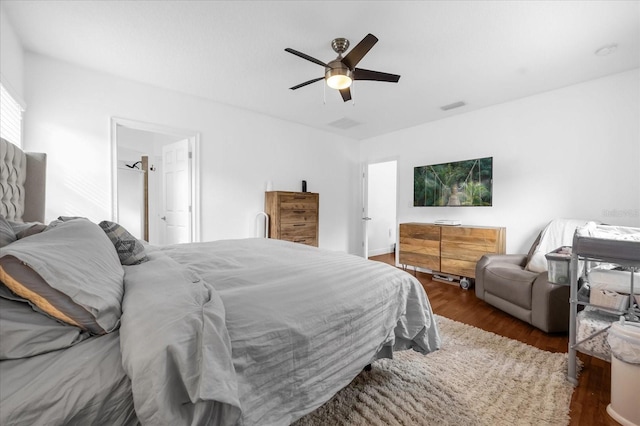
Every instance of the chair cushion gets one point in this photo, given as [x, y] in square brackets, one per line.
[509, 282]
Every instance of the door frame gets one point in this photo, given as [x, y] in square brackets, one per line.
[194, 142]
[365, 200]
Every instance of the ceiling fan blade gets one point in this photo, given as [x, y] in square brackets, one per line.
[306, 83]
[362, 74]
[346, 94]
[357, 53]
[305, 56]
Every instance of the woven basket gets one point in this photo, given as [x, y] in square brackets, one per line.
[609, 299]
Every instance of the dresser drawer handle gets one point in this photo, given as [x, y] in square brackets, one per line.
[299, 241]
[299, 211]
[299, 224]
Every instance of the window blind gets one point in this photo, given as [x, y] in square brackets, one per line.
[10, 117]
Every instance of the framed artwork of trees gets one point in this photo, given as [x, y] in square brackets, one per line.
[456, 184]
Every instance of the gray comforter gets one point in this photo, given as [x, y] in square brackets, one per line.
[247, 332]
[268, 330]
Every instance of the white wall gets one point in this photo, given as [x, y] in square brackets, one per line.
[68, 115]
[12, 58]
[572, 152]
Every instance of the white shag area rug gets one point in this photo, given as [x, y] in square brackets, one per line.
[476, 378]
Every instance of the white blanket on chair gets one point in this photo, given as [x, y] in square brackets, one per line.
[558, 233]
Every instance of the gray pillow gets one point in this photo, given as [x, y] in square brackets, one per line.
[7, 235]
[71, 272]
[129, 249]
[35, 228]
[25, 229]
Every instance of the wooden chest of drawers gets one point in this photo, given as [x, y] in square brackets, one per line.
[293, 216]
[451, 250]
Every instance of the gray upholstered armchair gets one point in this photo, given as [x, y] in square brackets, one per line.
[503, 281]
[518, 284]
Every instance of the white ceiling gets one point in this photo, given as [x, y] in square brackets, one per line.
[479, 52]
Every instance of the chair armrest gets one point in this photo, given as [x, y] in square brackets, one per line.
[550, 305]
[487, 259]
[516, 259]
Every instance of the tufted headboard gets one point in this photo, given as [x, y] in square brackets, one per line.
[22, 183]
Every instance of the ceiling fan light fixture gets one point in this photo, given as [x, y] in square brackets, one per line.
[339, 82]
[339, 77]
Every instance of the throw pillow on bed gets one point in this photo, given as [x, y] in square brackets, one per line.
[30, 229]
[130, 249]
[71, 272]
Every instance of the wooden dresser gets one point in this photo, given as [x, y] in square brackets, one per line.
[453, 250]
[293, 216]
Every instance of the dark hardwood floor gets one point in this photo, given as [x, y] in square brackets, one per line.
[590, 397]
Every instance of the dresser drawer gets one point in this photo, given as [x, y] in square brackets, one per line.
[305, 233]
[298, 216]
[299, 202]
[459, 267]
[298, 229]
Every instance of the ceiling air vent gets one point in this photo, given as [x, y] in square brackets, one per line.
[344, 123]
[452, 106]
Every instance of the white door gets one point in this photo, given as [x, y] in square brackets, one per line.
[176, 200]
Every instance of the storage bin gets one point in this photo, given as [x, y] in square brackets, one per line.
[624, 339]
[558, 262]
[610, 300]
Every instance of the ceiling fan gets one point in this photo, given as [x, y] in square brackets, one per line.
[341, 72]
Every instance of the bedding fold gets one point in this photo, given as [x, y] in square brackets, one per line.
[175, 347]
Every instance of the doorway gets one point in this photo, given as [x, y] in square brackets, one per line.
[155, 181]
[381, 208]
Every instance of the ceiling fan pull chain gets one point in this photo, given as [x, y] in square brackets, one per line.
[324, 94]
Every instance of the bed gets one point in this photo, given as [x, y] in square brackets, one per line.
[99, 328]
